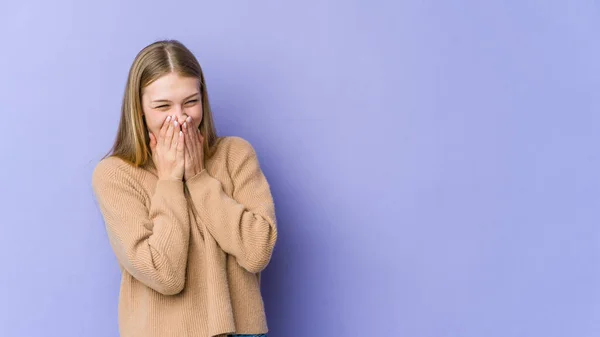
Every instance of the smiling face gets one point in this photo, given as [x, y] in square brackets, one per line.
[171, 95]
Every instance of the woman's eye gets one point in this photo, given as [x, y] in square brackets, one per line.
[193, 101]
[161, 106]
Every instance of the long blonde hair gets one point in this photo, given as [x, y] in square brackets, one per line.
[155, 60]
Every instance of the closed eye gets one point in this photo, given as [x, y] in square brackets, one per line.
[166, 105]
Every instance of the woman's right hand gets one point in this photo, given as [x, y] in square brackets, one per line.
[168, 150]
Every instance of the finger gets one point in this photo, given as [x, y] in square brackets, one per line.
[169, 134]
[189, 145]
[186, 135]
[181, 146]
[163, 130]
[192, 145]
[192, 139]
[152, 142]
[188, 122]
[191, 142]
[175, 137]
[187, 127]
[187, 153]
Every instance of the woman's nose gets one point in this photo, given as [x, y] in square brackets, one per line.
[181, 116]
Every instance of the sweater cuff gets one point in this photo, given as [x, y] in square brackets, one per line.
[198, 178]
[169, 187]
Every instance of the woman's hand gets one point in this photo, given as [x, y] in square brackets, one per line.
[168, 151]
[194, 153]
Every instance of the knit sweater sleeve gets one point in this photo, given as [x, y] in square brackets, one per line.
[150, 242]
[244, 224]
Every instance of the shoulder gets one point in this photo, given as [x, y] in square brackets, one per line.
[236, 152]
[235, 148]
[234, 145]
[111, 170]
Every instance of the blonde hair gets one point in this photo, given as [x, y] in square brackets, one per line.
[154, 61]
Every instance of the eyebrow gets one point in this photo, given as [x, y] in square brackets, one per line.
[166, 100]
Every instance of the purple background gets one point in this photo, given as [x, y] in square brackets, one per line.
[434, 163]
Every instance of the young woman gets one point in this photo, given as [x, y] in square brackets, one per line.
[189, 215]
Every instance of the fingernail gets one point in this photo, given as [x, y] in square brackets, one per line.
[168, 118]
[185, 125]
[189, 119]
[175, 123]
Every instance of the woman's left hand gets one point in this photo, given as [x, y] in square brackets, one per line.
[194, 153]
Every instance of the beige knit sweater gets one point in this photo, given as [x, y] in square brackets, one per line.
[190, 252]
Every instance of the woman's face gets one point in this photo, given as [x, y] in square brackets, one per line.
[172, 95]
